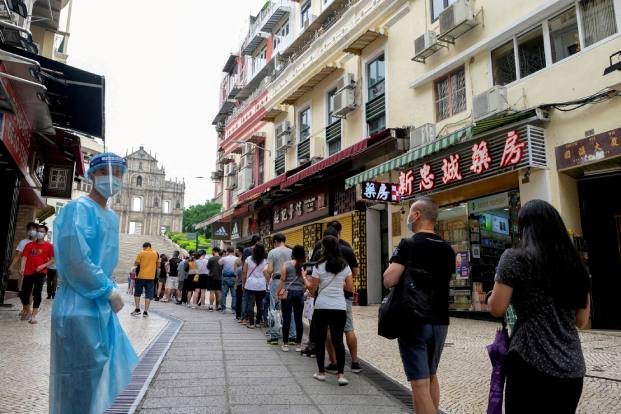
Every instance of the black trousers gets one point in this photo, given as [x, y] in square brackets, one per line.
[294, 304]
[335, 320]
[32, 285]
[531, 391]
[238, 301]
[255, 297]
[52, 282]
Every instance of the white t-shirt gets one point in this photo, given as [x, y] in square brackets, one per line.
[22, 245]
[201, 266]
[256, 279]
[330, 292]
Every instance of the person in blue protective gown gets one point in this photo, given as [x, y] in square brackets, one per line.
[91, 358]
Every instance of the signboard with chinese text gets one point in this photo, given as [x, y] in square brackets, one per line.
[588, 150]
[301, 209]
[385, 192]
[476, 159]
[57, 180]
[16, 131]
[221, 231]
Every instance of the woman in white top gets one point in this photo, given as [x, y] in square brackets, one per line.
[329, 276]
[255, 283]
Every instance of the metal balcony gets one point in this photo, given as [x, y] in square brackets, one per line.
[253, 41]
[274, 13]
[231, 64]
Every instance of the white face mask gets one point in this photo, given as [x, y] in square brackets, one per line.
[108, 186]
[32, 233]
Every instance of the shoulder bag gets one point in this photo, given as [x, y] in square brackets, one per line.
[283, 294]
[408, 303]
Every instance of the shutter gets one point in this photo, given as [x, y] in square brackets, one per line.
[347, 231]
[295, 237]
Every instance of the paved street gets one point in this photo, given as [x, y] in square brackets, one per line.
[465, 368]
[25, 356]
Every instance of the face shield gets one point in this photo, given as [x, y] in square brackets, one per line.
[106, 172]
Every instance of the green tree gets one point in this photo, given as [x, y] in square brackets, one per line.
[196, 214]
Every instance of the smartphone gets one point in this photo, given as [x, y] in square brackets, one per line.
[308, 266]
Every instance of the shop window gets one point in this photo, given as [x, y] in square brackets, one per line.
[305, 14]
[503, 64]
[450, 94]
[139, 181]
[304, 120]
[531, 52]
[564, 37]
[438, 6]
[598, 20]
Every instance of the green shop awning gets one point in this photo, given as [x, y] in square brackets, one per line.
[410, 156]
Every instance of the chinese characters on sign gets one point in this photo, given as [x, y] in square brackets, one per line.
[375, 191]
[481, 156]
[587, 150]
[300, 209]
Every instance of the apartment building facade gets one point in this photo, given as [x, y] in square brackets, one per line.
[481, 105]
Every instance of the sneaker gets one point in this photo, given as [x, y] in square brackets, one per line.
[331, 369]
[355, 367]
[272, 341]
[285, 348]
[145, 314]
[319, 376]
[298, 347]
[179, 302]
[33, 320]
[136, 312]
[24, 316]
[210, 308]
[342, 381]
[156, 299]
[250, 326]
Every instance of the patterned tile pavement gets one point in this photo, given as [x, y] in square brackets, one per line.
[24, 355]
[465, 369]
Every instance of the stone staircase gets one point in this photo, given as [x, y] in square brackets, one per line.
[129, 247]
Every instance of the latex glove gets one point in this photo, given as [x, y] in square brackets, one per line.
[116, 301]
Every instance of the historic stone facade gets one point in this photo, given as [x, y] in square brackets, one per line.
[148, 203]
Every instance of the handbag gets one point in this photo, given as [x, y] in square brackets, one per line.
[283, 294]
[410, 300]
[497, 351]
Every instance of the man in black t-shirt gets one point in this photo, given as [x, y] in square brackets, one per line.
[420, 352]
[172, 283]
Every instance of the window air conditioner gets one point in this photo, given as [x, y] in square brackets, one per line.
[422, 135]
[284, 128]
[245, 179]
[457, 19]
[346, 81]
[344, 102]
[283, 141]
[425, 43]
[489, 103]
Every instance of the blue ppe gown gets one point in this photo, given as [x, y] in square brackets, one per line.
[91, 358]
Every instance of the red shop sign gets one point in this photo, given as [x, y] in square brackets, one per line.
[494, 155]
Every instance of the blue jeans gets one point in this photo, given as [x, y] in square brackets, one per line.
[421, 353]
[277, 333]
[228, 283]
[244, 314]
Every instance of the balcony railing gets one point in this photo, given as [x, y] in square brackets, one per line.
[304, 151]
[272, 14]
[279, 163]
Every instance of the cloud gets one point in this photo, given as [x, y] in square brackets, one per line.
[163, 66]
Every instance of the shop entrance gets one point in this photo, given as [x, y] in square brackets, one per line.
[601, 224]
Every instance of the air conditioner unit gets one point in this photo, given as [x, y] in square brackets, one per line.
[489, 103]
[230, 182]
[283, 128]
[245, 179]
[346, 81]
[457, 19]
[422, 135]
[344, 102]
[283, 142]
[424, 43]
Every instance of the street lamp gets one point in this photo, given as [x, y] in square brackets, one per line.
[255, 145]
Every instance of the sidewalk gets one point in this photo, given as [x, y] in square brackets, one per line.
[216, 365]
[465, 369]
[25, 355]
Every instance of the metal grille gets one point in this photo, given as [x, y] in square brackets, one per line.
[304, 150]
[279, 163]
[333, 137]
[375, 108]
[128, 401]
[360, 247]
[312, 233]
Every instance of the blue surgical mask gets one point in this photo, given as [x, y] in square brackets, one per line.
[32, 233]
[40, 235]
[410, 227]
[108, 186]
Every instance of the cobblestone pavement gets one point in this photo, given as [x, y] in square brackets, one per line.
[25, 355]
[216, 365]
[465, 369]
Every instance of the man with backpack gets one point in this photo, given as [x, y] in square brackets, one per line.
[421, 344]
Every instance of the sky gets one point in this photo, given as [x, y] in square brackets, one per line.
[162, 61]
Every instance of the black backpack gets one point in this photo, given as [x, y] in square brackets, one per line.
[408, 304]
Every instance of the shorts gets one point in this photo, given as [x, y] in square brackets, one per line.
[149, 288]
[162, 280]
[213, 284]
[349, 322]
[202, 282]
[421, 353]
[172, 282]
[188, 283]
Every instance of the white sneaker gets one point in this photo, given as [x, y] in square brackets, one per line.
[285, 348]
[33, 320]
[298, 347]
[342, 381]
[319, 377]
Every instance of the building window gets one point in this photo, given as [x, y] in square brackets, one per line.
[333, 131]
[304, 120]
[564, 36]
[305, 13]
[156, 202]
[450, 94]
[139, 181]
[598, 20]
[281, 34]
[438, 6]
[140, 165]
[137, 204]
[503, 64]
[261, 166]
[166, 207]
[376, 74]
[531, 52]
[178, 205]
